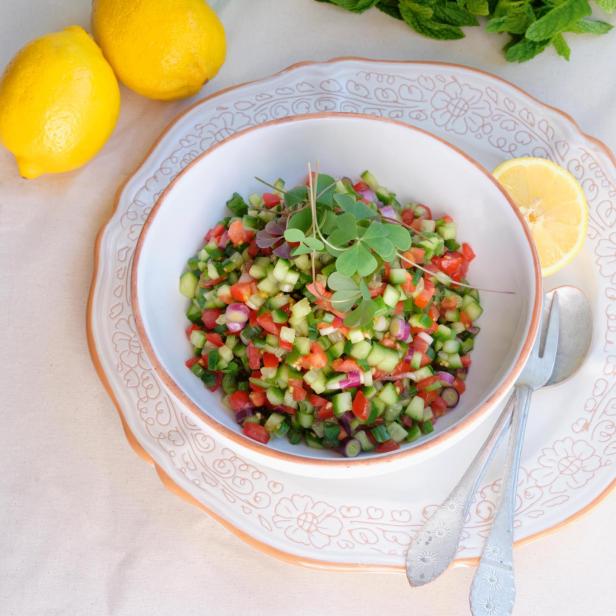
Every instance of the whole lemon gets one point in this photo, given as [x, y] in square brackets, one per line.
[59, 102]
[163, 49]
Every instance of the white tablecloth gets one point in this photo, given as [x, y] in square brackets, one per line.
[85, 526]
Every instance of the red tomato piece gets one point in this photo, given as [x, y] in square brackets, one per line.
[466, 360]
[459, 385]
[389, 445]
[425, 297]
[361, 406]
[257, 398]
[266, 321]
[407, 216]
[449, 303]
[467, 252]
[426, 382]
[289, 410]
[191, 362]
[209, 317]
[420, 345]
[208, 284]
[191, 328]
[325, 412]
[438, 406]
[283, 344]
[317, 358]
[465, 319]
[345, 365]
[299, 393]
[428, 396]
[255, 431]
[215, 339]
[317, 401]
[270, 360]
[399, 309]
[238, 234]
[253, 249]
[360, 187]
[241, 291]
[254, 356]
[271, 200]
[239, 400]
[414, 255]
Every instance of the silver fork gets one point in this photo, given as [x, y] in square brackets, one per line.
[493, 588]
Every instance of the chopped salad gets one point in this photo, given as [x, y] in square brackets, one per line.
[331, 314]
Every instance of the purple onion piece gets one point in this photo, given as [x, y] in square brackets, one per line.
[407, 421]
[345, 420]
[237, 313]
[243, 413]
[389, 212]
[353, 379]
[400, 329]
[368, 194]
[445, 377]
[235, 327]
[283, 251]
[474, 330]
[223, 240]
[450, 397]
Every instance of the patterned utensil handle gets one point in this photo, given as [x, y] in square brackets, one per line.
[493, 588]
[435, 545]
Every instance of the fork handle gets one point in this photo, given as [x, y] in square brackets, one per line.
[493, 588]
[436, 543]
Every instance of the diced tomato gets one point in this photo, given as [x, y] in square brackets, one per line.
[215, 339]
[317, 358]
[190, 329]
[465, 319]
[424, 212]
[271, 200]
[223, 240]
[419, 344]
[255, 431]
[452, 263]
[361, 406]
[428, 396]
[208, 284]
[283, 344]
[386, 341]
[299, 393]
[402, 368]
[241, 291]
[378, 290]
[216, 383]
[289, 410]
[215, 232]
[447, 218]
[433, 313]
[342, 434]
[209, 317]
[424, 298]
[254, 356]
[389, 445]
[449, 303]
[417, 225]
[467, 252]
[425, 360]
[424, 383]
[407, 216]
[345, 365]
[253, 249]
[270, 360]
[239, 400]
[238, 234]
[438, 406]
[266, 321]
[360, 187]
[386, 270]
[252, 319]
[258, 398]
[317, 401]
[399, 309]
[225, 296]
[459, 385]
[340, 326]
[325, 412]
[191, 362]
[414, 255]
[466, 360]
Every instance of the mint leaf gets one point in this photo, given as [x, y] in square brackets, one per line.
[590, 26]
[524, 50]
[561, 46]
[399, 236]
[478, 7]
[366, 263]
[237, 206]
[557, 19]
[429, 28]
[516, 21]
[609, 6]
[338, 282]
[351, 205]
[418, 8]
[356, 6]
[451, 13]
[294, 235]
[389, 7]
[296, 195]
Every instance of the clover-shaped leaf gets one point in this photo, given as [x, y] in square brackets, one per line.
[351, 206]
[346, 230]
[399, 236]
[294, 235]
[295, 196]
[362, 315]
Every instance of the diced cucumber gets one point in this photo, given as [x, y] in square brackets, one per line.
[428, 414]
[364, 441]
[268, 285]
[302, 345]
[355, 335]
[367, 378]
[413, 434]
[443, 332]
[288, 399]
[380, 433]
[334, 383]
[278, 301]
[397, 432]
[274, 396]
[302, 263]
[336, 350]
[451, 346]
[316, 380]
[342, 403]
[398, 276]
[225, 353]
[197, 338]
[382, 358]
[255, 302]
[279, 316]
[188, 284]
[467, 346]
[287, 334]
[391, 296]
[274, 422]
[301, 309]
[369, 179]
[422, 373]
[269, 373]
[415, 409]
[452, 315]
[388, 394]
[427, 427]
[282, 376]
[416, 360]
[381, 323]
[392, 413]
[193, 313]
[473, 310]
[305, 419]
[370, 391]
[313, 441]
[447, 231]
[361, 350]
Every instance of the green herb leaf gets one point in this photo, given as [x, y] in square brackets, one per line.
[375, 230]
[338, 282]
[609, 6]
[325, 189]
[301, 220]
[352, 206]
[296, 195]
[428, 27]
[478, 7]
[347, 262]
[516, 21]
[366, 263]
[399, 236]
[420, 9]
[346, 230]
[362, 315]
[237, 205]
[557, 19]
[294, 235]
[345, 300]
[561, 46]
[451, 13]
[523, 50]
[590, 26]
[383, 246]
[302, 249]
[356, 6]
[314, 243]
[364, 290]
[389, 7]
[327, 221]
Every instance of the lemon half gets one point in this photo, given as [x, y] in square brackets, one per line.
[552, 203]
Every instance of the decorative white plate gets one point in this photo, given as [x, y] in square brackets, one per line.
[571, 443]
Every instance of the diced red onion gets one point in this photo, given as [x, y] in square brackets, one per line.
[445, 377]
[245, 277]
[223, 240]
[237, 313]
[426, 337]
[474, 330]
[234, 328]
[345, 420]
[389, 212]
[353, 379]
[243, 413]
[368, 194]
[450, 397]
[400, 329]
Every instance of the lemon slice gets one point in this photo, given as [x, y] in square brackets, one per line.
[553, 205]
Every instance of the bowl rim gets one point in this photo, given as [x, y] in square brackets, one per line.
[238, 438]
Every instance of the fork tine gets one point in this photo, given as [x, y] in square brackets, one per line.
[551, 337]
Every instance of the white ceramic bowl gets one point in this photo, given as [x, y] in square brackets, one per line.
[414, 164]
